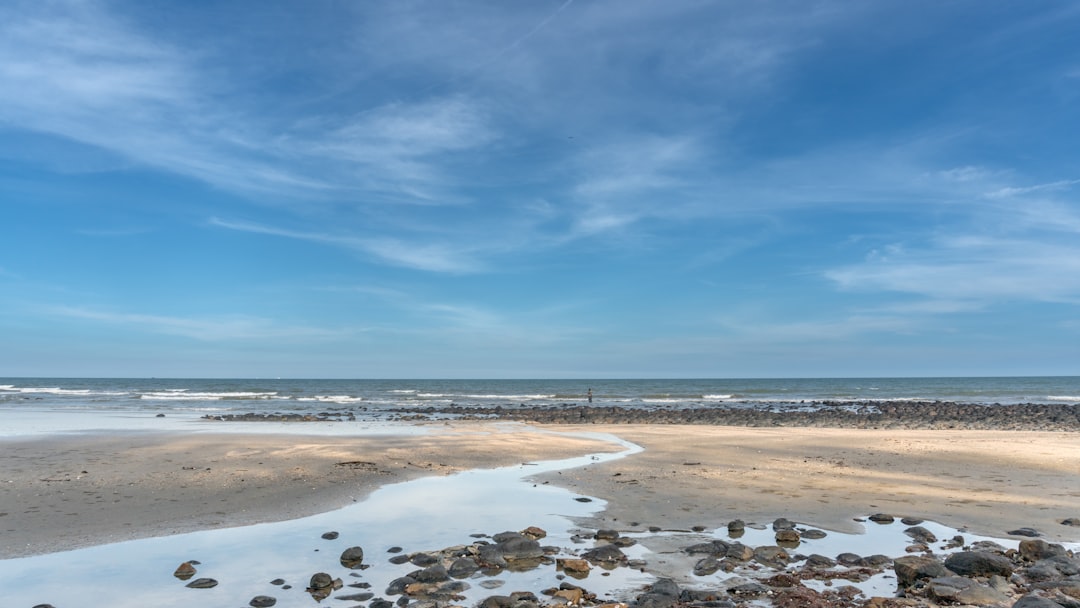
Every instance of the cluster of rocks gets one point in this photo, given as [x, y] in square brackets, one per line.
[1037, 574]
[282, 417]
[884, 414]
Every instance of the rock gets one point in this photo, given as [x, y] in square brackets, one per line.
[606, 534]
[876, 561]
[813, 534]
[330, 535]
[278, 582]
[911, 521]
[184, 571]
[394, 550]
[882, 518]
[202, 583]
[1053, 569]
[534, 533]
[912, 569]
[782, 523]
[490, 556]
[736, 525]
[520, 548]
[422, 560]
[1072, 521]
[664, 593]
[352, 558]
[1034, 601]
[262, 601]
[463, 567]
[321, 580]
[772, 556]
[380, 603]
[960, 590]
[787, 536]
[578, 568]
[709, 548]
[749, 590]
[432, 574]
[706, 566]
[921, 534]
[605, 555]
[819, 562]
[979, 563]
[1035, 550]
[849, 559]
[398, 585]
[355, 597]
[740, 552]
[1029, 532]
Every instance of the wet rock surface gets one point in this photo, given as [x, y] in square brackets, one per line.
[725, 573]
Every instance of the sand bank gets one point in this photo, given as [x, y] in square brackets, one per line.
[64, 492]
[989, 482]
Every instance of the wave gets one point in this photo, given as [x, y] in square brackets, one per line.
[183, 395]
[332, 399]
[1064, 398]
[484, 396]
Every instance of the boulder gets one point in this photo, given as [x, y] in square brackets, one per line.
[262, 601]
[463, 567]
[352, 558]
[961, 590]
[1034, 601]
[979, 563]
[1029, 532]
[882, 518]
[912, 569]
[520, 548]
[605, 554]
[706, 566]
[664, 593]
[782, 523]
[921, 534]
[1035, 550]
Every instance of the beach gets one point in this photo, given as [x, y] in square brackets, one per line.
[64, 492]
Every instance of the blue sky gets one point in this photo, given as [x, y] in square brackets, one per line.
[605, 188]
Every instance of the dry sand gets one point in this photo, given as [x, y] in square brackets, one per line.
[64, 492]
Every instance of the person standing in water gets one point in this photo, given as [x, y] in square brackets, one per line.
[590, 395]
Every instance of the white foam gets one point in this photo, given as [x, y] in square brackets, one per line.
[332, 399]
[1063, 398]
[718, 397]
[183, 395]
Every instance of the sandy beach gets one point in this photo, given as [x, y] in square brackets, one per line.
[65, 492]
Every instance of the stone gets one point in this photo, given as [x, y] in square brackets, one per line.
[961, 590]
[736, 525]
[849, 559]
[787, 536]
[431, 574]
[664, 593]
[520, 548]
[740, 552]
[813, 534]
[749, 590]
[1035, 550]
[534, 533]
[578, 568]
[330, 535]
[321, 580]
[876, 561]
[605, 554]
[782, 523]
[921, 534]
[352, 558]
[607, 534]
[355, 597]
[1029, 532]
[912, 569]
[1034, 601]
[423, 560]
[817, 561]
[1071, 521]
[706, 566]
[979, 563]
[202, 583]
[911, 521]
[463, 567]
[397, 560]
[184, 571]
[398, 585]
[882, 518]
[262, 601]
[772, 556]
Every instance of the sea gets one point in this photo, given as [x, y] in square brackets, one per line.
[375, 399]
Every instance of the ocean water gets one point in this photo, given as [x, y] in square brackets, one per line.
[375, 399]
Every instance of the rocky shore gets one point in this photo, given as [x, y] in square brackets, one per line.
[816, 414]
[931, 572]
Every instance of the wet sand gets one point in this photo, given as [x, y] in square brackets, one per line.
[65, 492]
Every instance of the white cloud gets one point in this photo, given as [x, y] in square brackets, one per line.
[234, 327]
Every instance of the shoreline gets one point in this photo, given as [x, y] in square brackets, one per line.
[147, 484]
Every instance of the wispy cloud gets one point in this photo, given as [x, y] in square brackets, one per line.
[431, 257]
[222, 329]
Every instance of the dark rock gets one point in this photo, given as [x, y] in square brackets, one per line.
[787, 537]
[911, 569]
[321, 580]
[706, 566]
[508, 535]
[1035, 550]
[849, 559]
[882, 518]
[184, 571]
[520, 548]
[605, 554]
[664, 593]
[583, 499]
[772, 556]
[278, 582]
[819, 562]
[736, 525]
[979, 563]
[1072, 521]
[355, 597]
[1034, 601]
[911, 521]
[876, 561]
[463, 567]
[422, 560]
[380, 603]
[534, 533]
[1053, 569]
[352, 558]
[330, 535]
[397, 560]
[606, 534]
[813, 534]
[782, 523]
[202, 583]
[709, 548]
[432, 574]
[921, 534]
[740, 552]
[490, 556]
[1029, 532]
[262, 601]
[394, 550]
[961, 590]
[398, 585]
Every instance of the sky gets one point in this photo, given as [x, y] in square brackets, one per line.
[540, 189]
